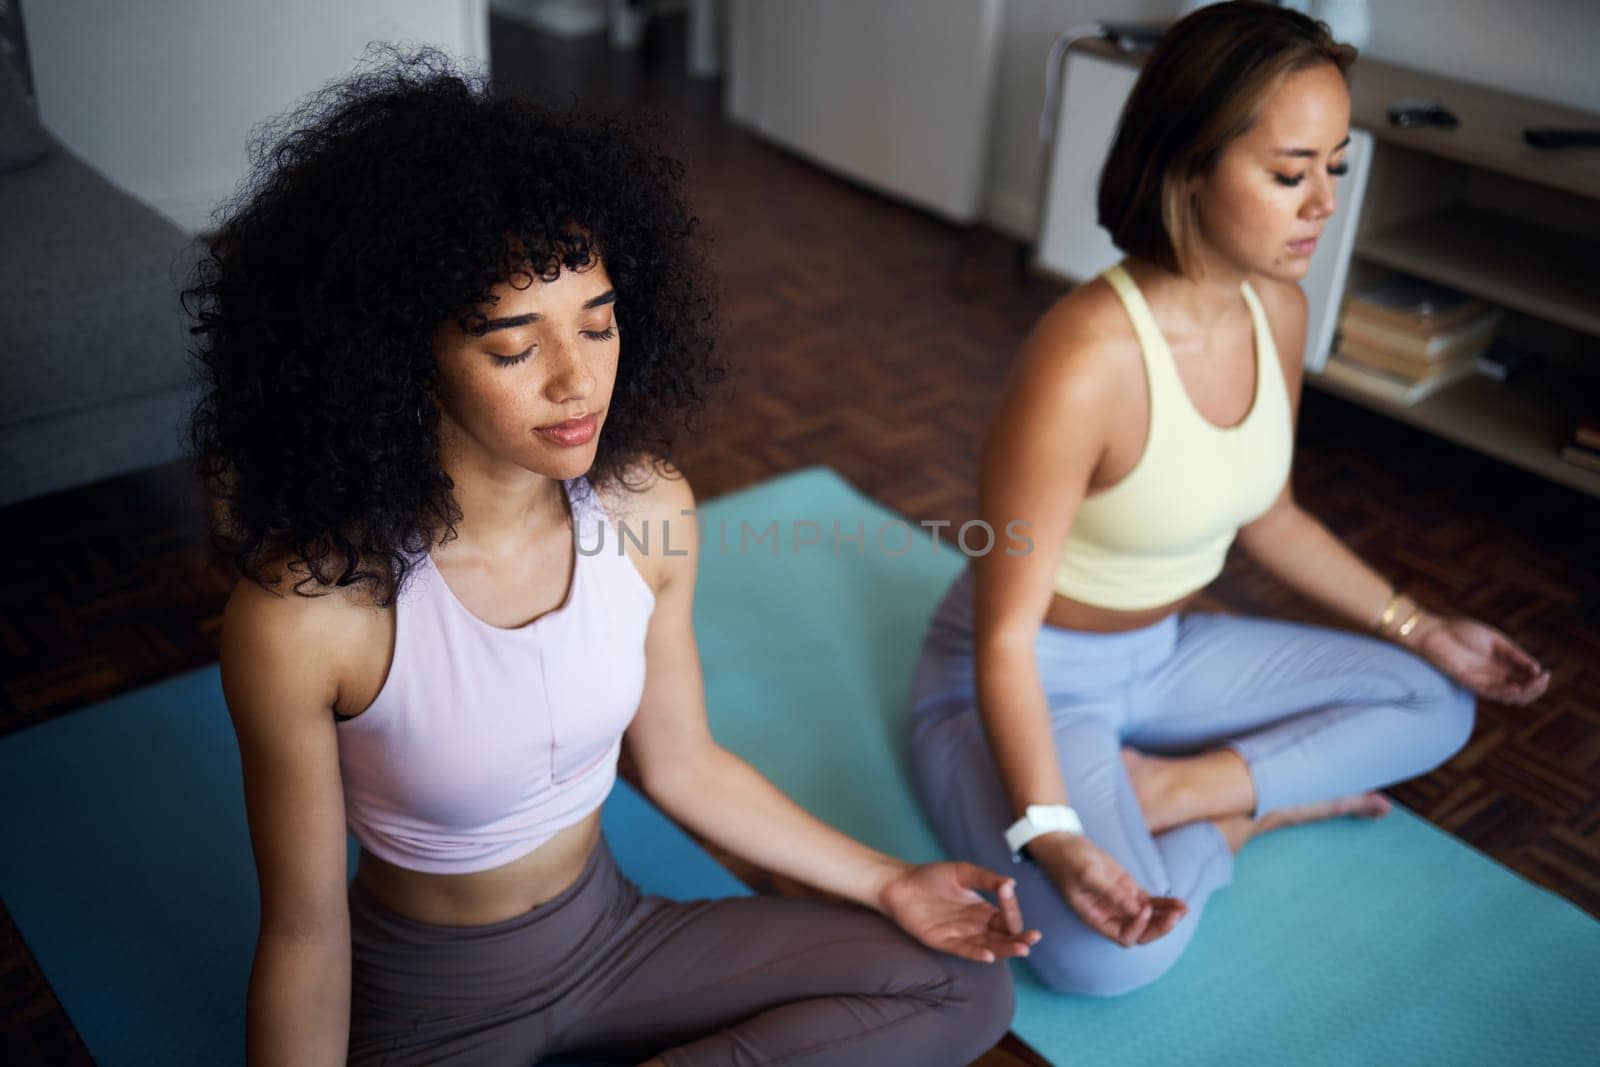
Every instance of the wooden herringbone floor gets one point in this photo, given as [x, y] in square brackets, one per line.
[874, 339]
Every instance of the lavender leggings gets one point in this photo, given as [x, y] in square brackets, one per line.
[1316, 714]
[604, 970]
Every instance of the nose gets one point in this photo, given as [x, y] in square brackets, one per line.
[1320, 200]
[570, 376]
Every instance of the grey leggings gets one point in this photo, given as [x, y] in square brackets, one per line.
[604, 970]
[1315, 713]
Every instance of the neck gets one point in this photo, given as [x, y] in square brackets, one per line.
[504, 507]
[1203, 301]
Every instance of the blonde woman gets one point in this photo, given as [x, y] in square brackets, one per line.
[1069, 707]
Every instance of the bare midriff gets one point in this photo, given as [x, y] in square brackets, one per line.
[1068, 614]
[483, 897]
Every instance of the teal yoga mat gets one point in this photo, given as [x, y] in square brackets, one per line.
[124, 855]
[1338, 943]
[125, 861]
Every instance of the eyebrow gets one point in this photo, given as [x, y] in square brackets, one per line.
[1308, 153]
[607, 297]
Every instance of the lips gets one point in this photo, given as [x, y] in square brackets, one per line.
[572, 432]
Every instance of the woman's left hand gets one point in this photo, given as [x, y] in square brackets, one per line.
[939, 904]
[1481, 658]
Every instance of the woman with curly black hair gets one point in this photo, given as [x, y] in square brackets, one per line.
[443, 333]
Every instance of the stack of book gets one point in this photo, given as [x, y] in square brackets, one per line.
[1404, 339]
[1584, 448]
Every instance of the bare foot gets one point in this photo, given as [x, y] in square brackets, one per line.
[1239, 829]
[1175, 790]
[1152, 778]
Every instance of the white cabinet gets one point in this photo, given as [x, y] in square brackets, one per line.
[1071, 244]
[895, 95]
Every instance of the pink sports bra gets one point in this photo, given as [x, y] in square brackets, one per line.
[484, 742]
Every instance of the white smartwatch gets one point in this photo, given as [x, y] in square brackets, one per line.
[1041, 819]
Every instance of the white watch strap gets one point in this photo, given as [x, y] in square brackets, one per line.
[1042, 819]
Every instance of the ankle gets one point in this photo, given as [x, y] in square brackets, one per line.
[1212, 785]
[1237, 830]
[1172, 795]
[1154, 780]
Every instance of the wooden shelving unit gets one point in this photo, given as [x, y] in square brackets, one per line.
[1523, 422]
[1477, 209]
[1516, 264]
[1490, 134]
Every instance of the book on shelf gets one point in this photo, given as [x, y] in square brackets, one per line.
[1588, 432]
[1401, 391]
[1411, 305]
[1404, 367]
[1474, 333]
[1579, 456]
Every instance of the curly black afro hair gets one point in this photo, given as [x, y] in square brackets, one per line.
[387, 204]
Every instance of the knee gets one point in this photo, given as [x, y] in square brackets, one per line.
[1450, 711]
[1462, 715]
[1090, 965]
[980, 1002]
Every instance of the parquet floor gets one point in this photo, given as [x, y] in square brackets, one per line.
[874, 339]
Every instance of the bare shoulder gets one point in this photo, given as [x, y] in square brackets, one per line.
[655, 500]
[316, 630]
[295, 603]
[1284, 302]
[1288, 312]
[648, 489]
[1084, 347]
[282, 655]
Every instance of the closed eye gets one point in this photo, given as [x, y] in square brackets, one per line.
[1292, 180]
[594, 335]
[510, 361]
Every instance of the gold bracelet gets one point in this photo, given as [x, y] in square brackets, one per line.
[1409, 625]
[1387, 617]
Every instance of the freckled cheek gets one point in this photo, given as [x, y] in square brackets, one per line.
[507, 413]
[519, 420]
[605, 375]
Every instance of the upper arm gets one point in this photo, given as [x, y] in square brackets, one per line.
[670, 729]
[280, 685]
[1039, 455]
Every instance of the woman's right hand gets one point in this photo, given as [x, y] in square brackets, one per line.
[1104, 895]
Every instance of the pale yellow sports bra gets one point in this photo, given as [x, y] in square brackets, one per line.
[1163, 531]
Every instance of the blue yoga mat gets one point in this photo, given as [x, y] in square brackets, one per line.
[125, 861]
[1339, 943]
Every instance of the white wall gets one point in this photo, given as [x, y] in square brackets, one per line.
[1541, 48]
[1546, 49]
[161, 95]
[895, 94]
